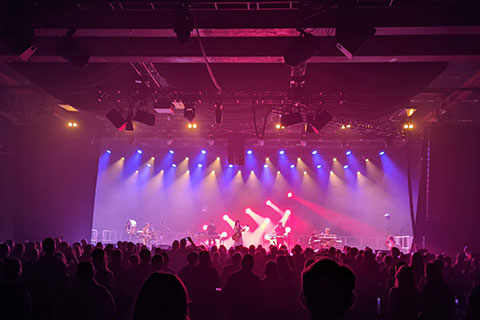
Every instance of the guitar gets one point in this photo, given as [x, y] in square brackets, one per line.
[236, 236]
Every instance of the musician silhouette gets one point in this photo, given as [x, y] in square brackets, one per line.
[237, 234]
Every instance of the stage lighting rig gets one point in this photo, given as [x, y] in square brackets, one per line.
[302, 49]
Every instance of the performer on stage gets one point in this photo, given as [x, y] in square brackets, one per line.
[147, 234]
[279, 234]
[390, 242]
[131, 229]
[212, 233]
[237, 234]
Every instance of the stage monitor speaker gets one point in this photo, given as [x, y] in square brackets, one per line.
[352, 36]
[116, 119]
[145, 118]
[20, 40]
[291, 119]
[72, 51]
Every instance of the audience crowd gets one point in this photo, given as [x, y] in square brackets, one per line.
[58, 280]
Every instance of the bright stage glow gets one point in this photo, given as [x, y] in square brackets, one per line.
[239, 171]
[171, 152]
[123, 158]
[188, 171]
[334, 159]
[288, 230]
[319, 166]
[282, 152]
[249, 151]
[304, 172]
[72, 124]
[225, 217]
[314, 152]
[161, 171]
[381, 153]
[248, 210]
[199, 165]
[299, 159]
[223, 234]
[203, 151]
[218, 158]
[205, 227]
[149, 165]
[292, 166]
[230, 165]
[187, 158]
[265, 165]
[268, 202]
[366, 160]
[136, 171]
[152, 158]
[252, 172]
[331, 172]
[267, 220]
[139, 151]
[289, 195]
[358, 172]
[174, 165]
[213, 171]
[278, 172]
[267, 159]
[192, 126]
[349, 152]
[345, 166]
[109, 151]
[288, 211]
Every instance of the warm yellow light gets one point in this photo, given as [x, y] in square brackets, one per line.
[358, 172]
[194, 126]
[252, 172]
[152, 158]
[334, 159]
[410, 126]
[136, 171]
[213, 171]
[161, 171]
[189, 126]
[366, 160]
[267, 159]
[70, 124]
[331, 172]
[278, 126]
[410, 111]
[218, 158]
[304, 172]
[299, 159]
[188, 171]
[405, 126]
[349, 126]
[278, 172]
[75, 124]
[186, 158]
[343, 127]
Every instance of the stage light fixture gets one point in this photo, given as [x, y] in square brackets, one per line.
[192, 125]
[381, 153]
[71, 50]
[223, 234]
[289, 195]
[189, 114]
[249, 151]
[331, 172]
[346, 126]
[225, 217]
[267, 159]
[203, 151]
[144, 117]
[278, 126]
[265, 165]
[116, 119]
[302, 49]
[174, 165]
[230, 165]
[213, 171]
[199, 165]
[299, 159]
[187, 158]
[252, 172]
[366, 160]
[162, 171]
[304, 172]
[205, 227]
[171, 151]
[281, 152]
[278, 172]
[319, 166]
[183, 24]
[320, 120]
[19, 38]
[268, 202]
[248, 210]
[109, 151]
[314, 152]
[72, 124]
[218, 158]
[408, 126]
[334, 159]
[287, 120]
[349, 152]
[136, 171]
[123, 158]
[218, 113]
[149, 165]
[292, 166]
[139, 151]
[288, 211]
[410, 111]
[358, 173]
[288, 229]
[345, 166]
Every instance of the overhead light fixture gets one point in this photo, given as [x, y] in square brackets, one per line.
[218, 113]
[319, 121]
[189, 113]
[302, 49]
[183, 24]
[144, 117]
[291, 119]
[116, 119]
[71, 50]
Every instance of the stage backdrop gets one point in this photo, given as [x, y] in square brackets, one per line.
[184, 194]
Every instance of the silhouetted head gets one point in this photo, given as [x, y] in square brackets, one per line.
[183, 243]
[236, 258]
[192, 258]
[98, 257]
[175, 245]
[271, 270]
[116, 256]
[162, 296]
[433, 273]
[84, 271]
[12, 268]
[247, 262]
[327, 289]
[157, 262]
[4, 250]
[145, 256]
[48, 246]
[404, 277]
[204, 257]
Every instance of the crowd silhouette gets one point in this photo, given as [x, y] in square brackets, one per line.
[58, 280]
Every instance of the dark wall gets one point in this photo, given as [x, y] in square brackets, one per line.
[54, 174]
[452, 218]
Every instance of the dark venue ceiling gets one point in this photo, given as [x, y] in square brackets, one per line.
[424, 55]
